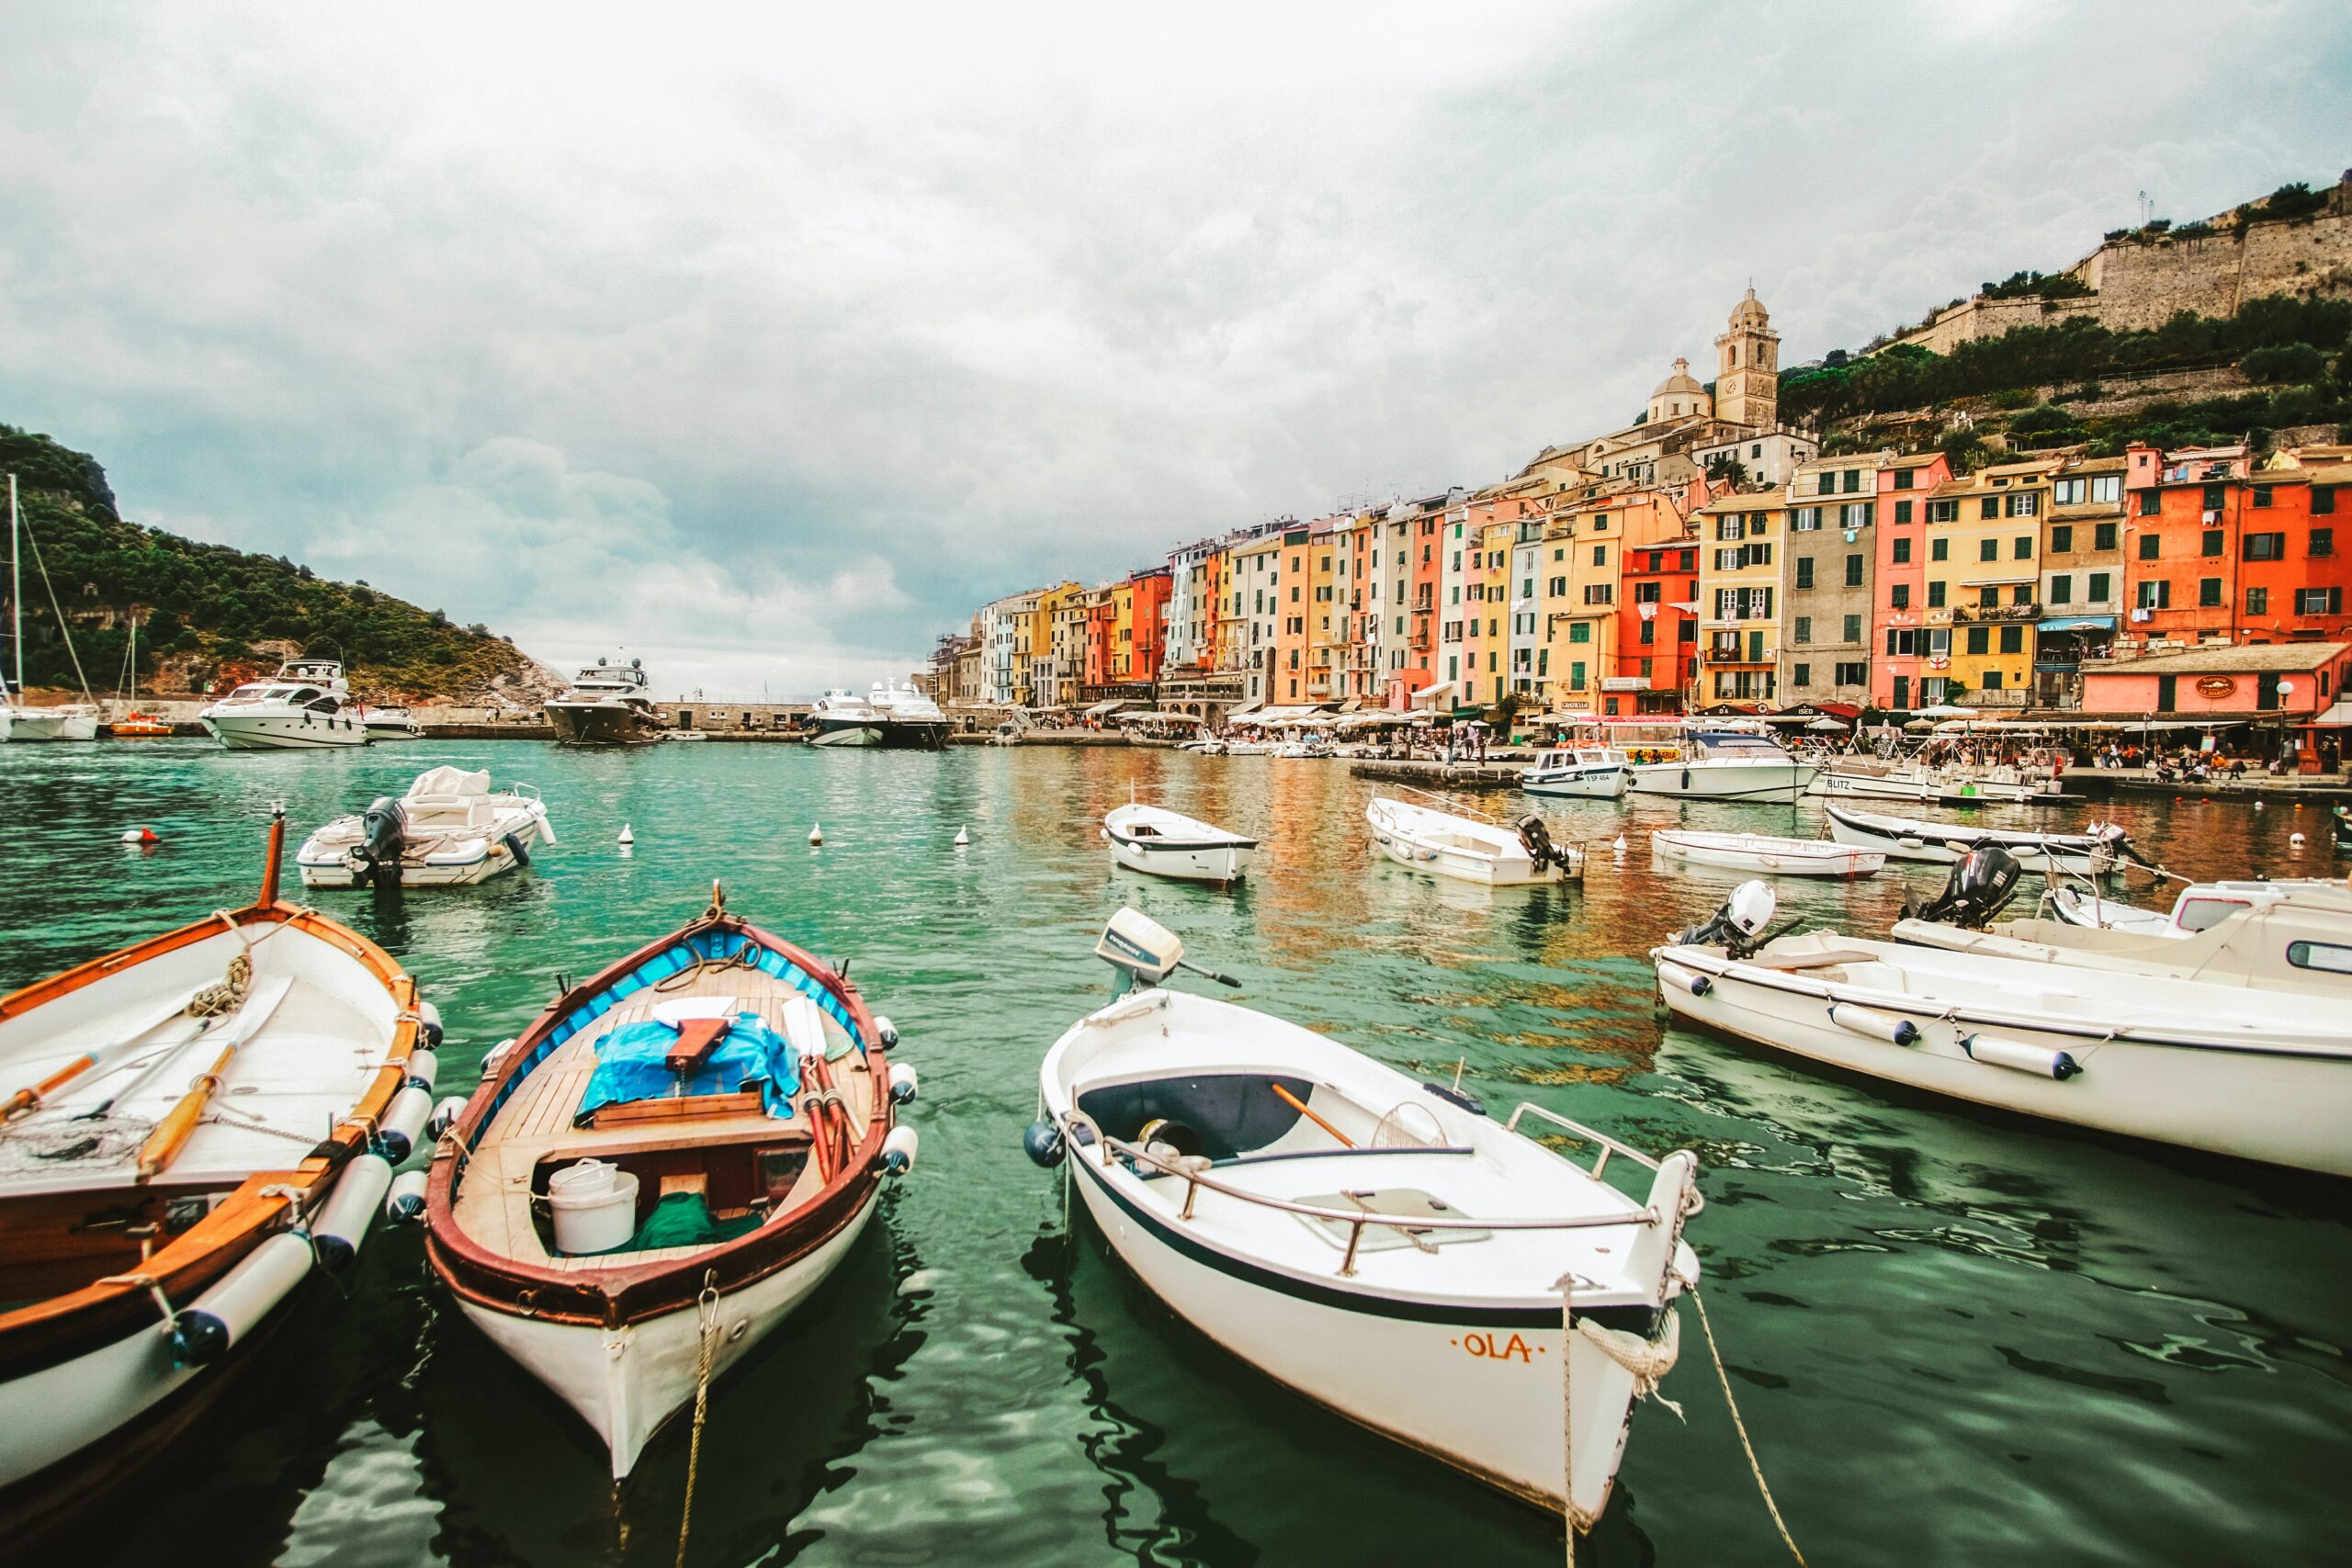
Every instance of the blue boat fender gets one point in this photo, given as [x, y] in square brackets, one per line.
[341, 1223]
[1042, 1141]
[423, 1069]
[886, 1031]
[444, 1116]
[898, 1151]
[430, 1017]
[205, 1331]
[405, 1202]
[514, 843]
[403, 1120]
[902, 1083]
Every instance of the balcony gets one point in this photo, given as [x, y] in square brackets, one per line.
[2006, 697]
[1963, 613]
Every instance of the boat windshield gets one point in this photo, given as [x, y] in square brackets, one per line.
[1744, 747]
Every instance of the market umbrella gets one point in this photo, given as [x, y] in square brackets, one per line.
[1825, 722]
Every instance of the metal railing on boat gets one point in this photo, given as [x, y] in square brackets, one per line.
[1192, 1175]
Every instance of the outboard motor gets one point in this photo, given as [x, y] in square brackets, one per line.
[1983, 881]
[1536, 839]
[1738, 926]
[383, 840]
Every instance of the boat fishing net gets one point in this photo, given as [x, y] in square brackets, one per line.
[34, 1146]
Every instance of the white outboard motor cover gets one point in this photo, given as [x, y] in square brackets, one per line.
[1140, 945]
[1751, 907]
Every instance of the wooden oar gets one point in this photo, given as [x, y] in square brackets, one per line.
[164, 1144]
[38, 1095]
[1300, 1106]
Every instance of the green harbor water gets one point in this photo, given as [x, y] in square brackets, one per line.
[1955, 1338]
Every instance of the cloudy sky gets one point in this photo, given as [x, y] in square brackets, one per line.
[766, 341]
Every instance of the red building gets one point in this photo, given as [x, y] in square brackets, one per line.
[1899, 591]
[2217, 549]
[1658, 629]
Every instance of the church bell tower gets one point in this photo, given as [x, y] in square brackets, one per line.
[1748, 380]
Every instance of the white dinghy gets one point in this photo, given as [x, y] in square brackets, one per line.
[447, 829]
[2199, 907]
[1761, 852]
[194, 1127]
[1447, 843]
[1371, 1241]
[2094, 852]
[2201, 1062]
[1166, 843]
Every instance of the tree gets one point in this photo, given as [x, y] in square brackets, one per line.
[1724, 469]
[2274, 363]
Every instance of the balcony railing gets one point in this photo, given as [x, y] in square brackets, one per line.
[1964, 612]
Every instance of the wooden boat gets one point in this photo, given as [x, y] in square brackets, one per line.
[1470, 849]
[2177, 1040]
[195, 1125]
[447, 830]
[1761, 852]
[671, 1157]
[1166, 843]
[2098, 850]
[1377, 1243]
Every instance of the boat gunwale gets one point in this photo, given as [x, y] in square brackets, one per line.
[613, 1296]
[61, 1328]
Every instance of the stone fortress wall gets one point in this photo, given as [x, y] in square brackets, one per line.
[2142, 284]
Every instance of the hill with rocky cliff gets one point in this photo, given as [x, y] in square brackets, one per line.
[209, 613]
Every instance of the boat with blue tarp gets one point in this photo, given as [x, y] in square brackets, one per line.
[672, 1156]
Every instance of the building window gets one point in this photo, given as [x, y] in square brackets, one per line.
[1856, 673]
[1902, 481]
[2265, 546]
[2151, 503]
[2258, 601]
[1980, 640]
[1988, 597]
[2068, 492]
[2023, 548]
[2262, 495]
[2103, 536]
[1989, 507]
[2100, 584]
[2149, 542]
[2323, 541]
[1992, 679]
[1853, 571]
[2216, 497]
[2024, 503]
[2062, 537]
[2213, 541]
[1580, 631]
[1600, 555]
[2319, 601]
[1902, 552]
[1803, 633]
[2061, 589]
[1805, 519]
[1903, 512]
[2208, 592]
[1800, 674]
[1935, 595]
[2156, 594]
[2012, 639]
[1943, 511]
[1939, 549]
[1853, 480]
[1805, 571]
[1899, 596]
[1853, 629]
[2322, 501]
[2108, 488]
[1988, 550]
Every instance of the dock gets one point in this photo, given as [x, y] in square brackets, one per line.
[2300, 788]
[1444, 775]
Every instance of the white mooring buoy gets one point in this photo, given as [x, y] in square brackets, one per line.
[963, 837]
[627, 837]
[140, 835]
[816, 834]
[1620, 845]
[2296, 840]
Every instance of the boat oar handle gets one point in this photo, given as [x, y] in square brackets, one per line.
[164, 1144]
[1300, 1106]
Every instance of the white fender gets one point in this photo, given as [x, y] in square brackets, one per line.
[431, 1016]
[1876, 1024]
[444, 1116]
[902, 1083]
[1682, 979]
[490, 1064]
[886, 1031]
[406, 1200]
[424, 1066]
[203, 1332]
[341, 1223]
[898, 1151]
[2021, 1058]
[403, 1120]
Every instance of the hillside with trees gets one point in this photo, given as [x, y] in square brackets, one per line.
[209, 611]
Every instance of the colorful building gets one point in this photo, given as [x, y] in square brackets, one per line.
[2082, 576]
[1899, 577]
[1832, 546]
[1984, 578]
[1742, 542]
[1658, 628]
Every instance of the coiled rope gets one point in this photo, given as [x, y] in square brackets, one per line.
[225, 994]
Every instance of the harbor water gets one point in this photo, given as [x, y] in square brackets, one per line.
[1954, 1337]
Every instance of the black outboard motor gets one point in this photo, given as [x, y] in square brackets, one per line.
[1536, 839]
[383, 840]
[1983, 881]
[1738, 926]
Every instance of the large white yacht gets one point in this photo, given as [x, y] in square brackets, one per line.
[1720, 762]
[896, 715]
[607, 706]
[306, 703]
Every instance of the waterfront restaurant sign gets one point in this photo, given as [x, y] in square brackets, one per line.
[2216, 687]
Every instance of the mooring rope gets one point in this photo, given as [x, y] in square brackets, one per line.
[709, 1302]
[1739, 1426]
[1566, 1284]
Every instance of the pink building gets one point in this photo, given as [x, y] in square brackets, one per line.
[2290, 686]
[1899, 591]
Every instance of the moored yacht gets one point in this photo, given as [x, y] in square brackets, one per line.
[1723, 763]
[607, 706]
[307, 704]
[61, 721]
[892, 714]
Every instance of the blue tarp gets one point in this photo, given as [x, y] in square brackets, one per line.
[632, 1062]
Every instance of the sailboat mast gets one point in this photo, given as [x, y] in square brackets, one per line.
[16, 586]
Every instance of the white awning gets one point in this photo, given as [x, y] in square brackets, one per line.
[2337, 716]
[1436, 694]
[1099, 710]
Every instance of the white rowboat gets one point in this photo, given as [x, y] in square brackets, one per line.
[2098, 851]
[1166, 843]
[1761, 852]
[1444, 844]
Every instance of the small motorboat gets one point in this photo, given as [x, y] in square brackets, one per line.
[2094, 852]
[1761, 852]
[1910, 778]
[2144, 1045]
[1373, 1242]
[391, 724]
[305, 706]
[2199, 907]
[1468, 849]
[138, 726]
[1729, 764]
[447, 830]
[1166, 843]
[195, 1126]
[1591, 773]
[664, 1165]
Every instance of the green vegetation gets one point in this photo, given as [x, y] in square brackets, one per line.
[2283, 205]
[1909, 377]
[2037, 286]
[209, 600]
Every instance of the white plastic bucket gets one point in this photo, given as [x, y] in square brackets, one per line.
[594, 1205]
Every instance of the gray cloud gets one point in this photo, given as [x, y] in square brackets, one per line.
[768, 346]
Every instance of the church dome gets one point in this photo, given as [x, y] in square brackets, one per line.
[1679, 396]
[1749, 314]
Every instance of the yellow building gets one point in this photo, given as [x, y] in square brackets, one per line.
[1743, 540]
[1047, 672]
[1984, 535]
[1486, 591]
